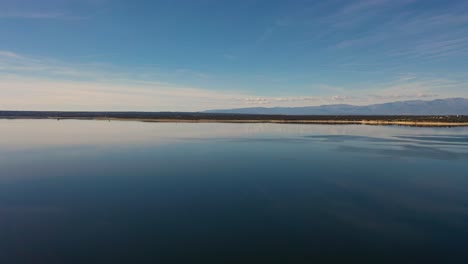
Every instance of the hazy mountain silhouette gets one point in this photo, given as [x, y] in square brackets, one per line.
[452, 106]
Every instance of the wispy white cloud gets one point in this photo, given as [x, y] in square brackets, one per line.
[403, 87]
[434, 49]
[32, 15]
[264, 100]
[43, 84]
[9, 54]
[363, 5]
[230, 57]
[393, 34]
[407, 77]
[344, 98]
[406, 96]
[40, 94]
[44, 10]
[39, 15]
[32, 83]
[412, 34]
[352, 14]
[411, 87]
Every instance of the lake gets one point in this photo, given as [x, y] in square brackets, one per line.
[133, 192]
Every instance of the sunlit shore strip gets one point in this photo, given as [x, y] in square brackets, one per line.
[272, 121]
[351, 122]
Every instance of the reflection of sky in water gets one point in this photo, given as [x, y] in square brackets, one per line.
[97, 192]
[27, 134]
[431, 147]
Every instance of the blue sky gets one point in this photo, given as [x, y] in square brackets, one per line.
[194, 55]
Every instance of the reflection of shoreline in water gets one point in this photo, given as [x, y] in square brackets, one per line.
[409, 151]
[42, 133]
[455, 140]
[383, 122]
[432, 147]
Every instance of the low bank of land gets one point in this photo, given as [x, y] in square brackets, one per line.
[452, 120]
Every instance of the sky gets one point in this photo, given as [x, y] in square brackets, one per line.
[194, 55]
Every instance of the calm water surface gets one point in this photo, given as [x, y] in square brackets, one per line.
[130, 192]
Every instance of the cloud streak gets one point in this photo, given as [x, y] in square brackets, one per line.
[9, 54]
[423, 35]
[33, 15]
[394, 34]
[43, 84]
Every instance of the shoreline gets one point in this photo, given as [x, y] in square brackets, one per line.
[253, 121]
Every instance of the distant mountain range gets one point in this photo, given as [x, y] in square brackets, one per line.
[452, 106]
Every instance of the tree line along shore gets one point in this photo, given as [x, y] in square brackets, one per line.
[457, 120]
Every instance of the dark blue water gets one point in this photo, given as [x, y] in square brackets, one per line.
[129, 192]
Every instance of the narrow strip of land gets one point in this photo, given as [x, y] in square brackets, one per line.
[324, 122]
[435, 121]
